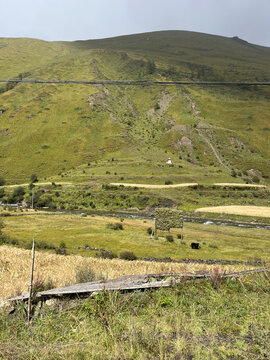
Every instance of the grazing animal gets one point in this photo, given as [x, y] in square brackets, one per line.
[195, 245]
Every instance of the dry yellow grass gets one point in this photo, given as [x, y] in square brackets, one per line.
[261, 211]
[240, 185]
[61, 270]
[149, 186]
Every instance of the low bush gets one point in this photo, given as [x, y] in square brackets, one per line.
[106, 255]
[85, 274]
[127, 255]
[149, 231]
[168, 182]
[40, 284]
[213, 246]
[44, 245]
[2, 181]
[60, 251]
[170, 238]
[115, 226]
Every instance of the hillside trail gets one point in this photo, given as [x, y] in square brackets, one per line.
[196, 113]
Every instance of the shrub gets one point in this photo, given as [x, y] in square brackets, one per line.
[233, 173]
[33, 178]
[17, 195]
[255, 179]
[149, 231]
[213, 246]
[168, 182]
[85, 274]
[151, 67]
[170, 238]
[115, 226]
[44, 245]
[127, 255]
[40, 284]
[62, 244]
[61, 251]
[2, 181]
[107, 255]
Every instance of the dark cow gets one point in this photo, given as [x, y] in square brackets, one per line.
[195, 246]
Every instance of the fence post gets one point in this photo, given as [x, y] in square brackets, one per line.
[31, 281]
[182, 227]
[155, 225]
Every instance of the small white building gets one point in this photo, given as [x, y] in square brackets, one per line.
[169, 161]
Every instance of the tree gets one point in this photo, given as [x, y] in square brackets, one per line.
[151, 66]
[17, 195]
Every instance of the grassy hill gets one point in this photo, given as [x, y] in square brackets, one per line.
[62, 130]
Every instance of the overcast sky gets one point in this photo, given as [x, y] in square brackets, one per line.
[91, 19]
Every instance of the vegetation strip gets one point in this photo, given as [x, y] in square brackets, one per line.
[134, 282]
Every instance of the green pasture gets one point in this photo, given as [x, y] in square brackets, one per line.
[229, 243]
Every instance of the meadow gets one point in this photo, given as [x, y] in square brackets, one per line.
[217, 242]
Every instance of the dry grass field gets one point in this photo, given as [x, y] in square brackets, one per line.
[241, 185]
[61, 270]
[261, 211]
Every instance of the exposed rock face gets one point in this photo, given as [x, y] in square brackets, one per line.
[237, 142]
[184, 141]
[254, 172]
[164, 102]
[100, 98]
[183, 128]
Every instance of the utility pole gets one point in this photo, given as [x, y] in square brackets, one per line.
[155, 226]
[31, 281]
[182, 226]
[32, 206]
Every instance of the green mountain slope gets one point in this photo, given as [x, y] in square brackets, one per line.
[52, 129]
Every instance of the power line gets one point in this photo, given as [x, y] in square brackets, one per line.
[139, 82]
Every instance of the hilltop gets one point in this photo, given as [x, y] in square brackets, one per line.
[60, 131]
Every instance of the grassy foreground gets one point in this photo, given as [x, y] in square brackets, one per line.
[197, 320]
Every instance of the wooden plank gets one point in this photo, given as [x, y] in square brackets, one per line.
[133, 282]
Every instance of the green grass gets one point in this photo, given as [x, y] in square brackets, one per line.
[228, 243]
[198, 320]
[52, 129]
